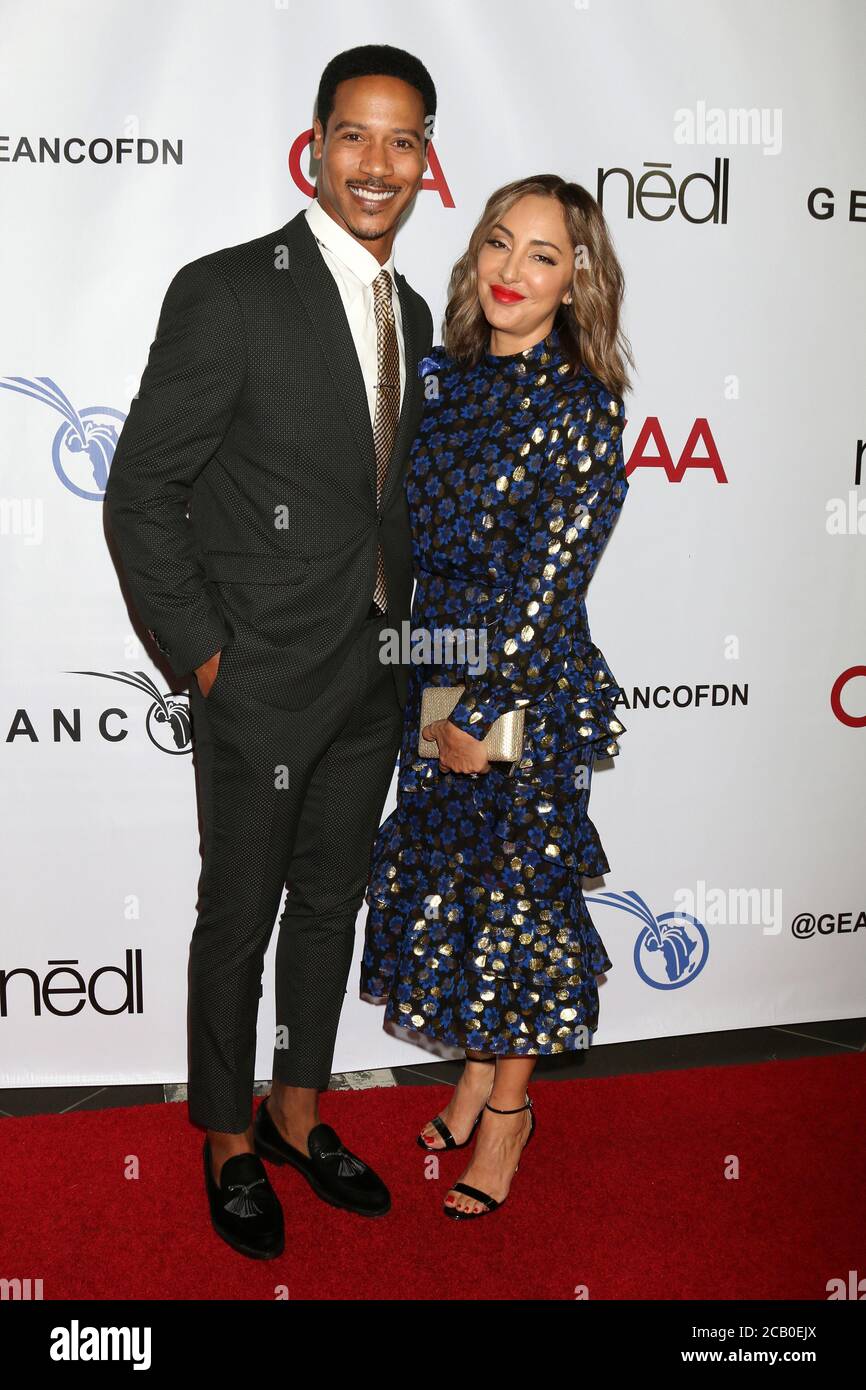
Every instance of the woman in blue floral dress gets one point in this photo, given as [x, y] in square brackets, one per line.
[478, 933]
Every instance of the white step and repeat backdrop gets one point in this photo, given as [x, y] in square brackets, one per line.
[728, 140]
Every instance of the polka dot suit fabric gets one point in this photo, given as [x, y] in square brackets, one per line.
[478, 933]
[289, 799]
[246, 468]
[243, 502]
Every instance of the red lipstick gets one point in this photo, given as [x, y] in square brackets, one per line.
[505, 296]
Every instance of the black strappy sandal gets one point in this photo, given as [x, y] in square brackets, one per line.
[441, 1128]
[488, 1203]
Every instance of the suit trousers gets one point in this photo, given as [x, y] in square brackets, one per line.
[288, 799]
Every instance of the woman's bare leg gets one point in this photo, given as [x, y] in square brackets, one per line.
[470, 1093]
[500, 1138]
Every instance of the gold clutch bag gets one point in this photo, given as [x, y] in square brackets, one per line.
[504, 740]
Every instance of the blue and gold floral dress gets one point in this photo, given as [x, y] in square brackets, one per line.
[478, 933]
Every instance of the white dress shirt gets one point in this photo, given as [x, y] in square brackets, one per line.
[354, 269]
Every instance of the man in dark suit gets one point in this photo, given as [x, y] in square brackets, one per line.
[256, 497]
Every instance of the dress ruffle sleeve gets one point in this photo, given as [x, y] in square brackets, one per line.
[581, 491]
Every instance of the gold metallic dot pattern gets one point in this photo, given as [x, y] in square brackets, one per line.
[478, 933]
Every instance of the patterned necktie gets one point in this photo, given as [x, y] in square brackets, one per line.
[387, 406]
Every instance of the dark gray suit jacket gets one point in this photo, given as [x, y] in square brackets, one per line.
[243, 485]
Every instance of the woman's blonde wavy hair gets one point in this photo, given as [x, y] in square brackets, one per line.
[589, 327]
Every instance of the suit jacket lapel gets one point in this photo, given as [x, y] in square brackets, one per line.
[318, 290]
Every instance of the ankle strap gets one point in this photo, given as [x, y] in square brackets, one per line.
[527, 1106]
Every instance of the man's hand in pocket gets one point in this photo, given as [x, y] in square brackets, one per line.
[207, 672]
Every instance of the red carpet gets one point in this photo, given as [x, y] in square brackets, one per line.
[623, 1189]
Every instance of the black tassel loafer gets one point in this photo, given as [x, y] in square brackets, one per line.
[333, 1172]
[244, 1209]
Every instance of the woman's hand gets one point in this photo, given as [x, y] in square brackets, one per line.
[458, 751]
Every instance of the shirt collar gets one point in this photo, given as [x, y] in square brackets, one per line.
[338, 241]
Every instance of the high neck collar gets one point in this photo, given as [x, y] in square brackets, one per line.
[548, 353]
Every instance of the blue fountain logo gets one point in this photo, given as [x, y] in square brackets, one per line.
[83, 447]
[670, 950]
